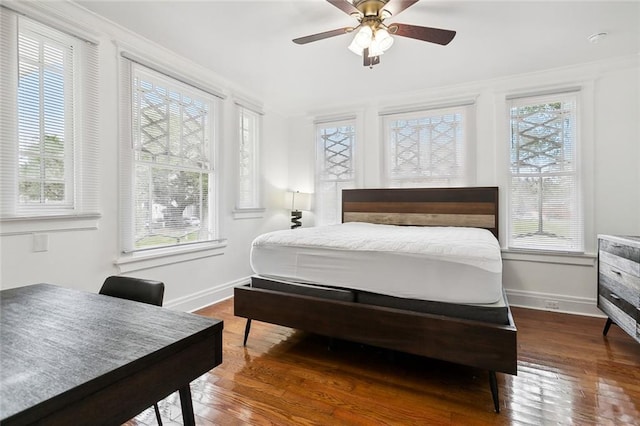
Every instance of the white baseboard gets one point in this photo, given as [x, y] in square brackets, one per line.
[519, 298]
[195, 301]
[560, 303]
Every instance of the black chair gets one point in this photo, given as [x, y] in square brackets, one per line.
[139, 290]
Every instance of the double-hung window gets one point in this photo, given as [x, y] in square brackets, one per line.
[335, 168]
[167, 170]
[249, 134]
[545, 207]
[48, 120]
[428, 148]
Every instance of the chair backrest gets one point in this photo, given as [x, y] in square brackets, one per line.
[137, 289]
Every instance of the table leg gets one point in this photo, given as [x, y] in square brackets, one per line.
[188, 418]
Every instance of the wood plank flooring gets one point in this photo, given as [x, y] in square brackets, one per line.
[568, 373]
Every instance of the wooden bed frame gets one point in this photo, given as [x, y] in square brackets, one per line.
[473, 343]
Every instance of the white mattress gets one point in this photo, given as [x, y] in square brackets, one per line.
[445, 264]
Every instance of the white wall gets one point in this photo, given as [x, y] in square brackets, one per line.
[610, 140]
[82, 259]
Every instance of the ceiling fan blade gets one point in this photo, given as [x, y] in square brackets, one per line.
[345, 6]
[320, 36]
[397, 6]
[432, 35]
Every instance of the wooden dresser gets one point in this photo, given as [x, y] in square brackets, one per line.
[619, 282]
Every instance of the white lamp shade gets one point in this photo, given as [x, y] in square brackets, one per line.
[375, 49]
[363, 37]
[298, 201]
[383, 39]
[355, 48]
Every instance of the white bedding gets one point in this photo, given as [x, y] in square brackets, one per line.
[447, 264]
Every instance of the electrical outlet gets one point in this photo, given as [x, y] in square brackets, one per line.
[40, 242]
[552, 304]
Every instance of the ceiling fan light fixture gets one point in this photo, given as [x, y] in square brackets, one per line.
[374, 52]
[355, 48]
[383, 39]
[363, 37]
[373, 36]
[375, 49]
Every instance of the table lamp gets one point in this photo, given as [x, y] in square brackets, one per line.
[299, 201]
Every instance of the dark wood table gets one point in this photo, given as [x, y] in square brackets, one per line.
[71, 357]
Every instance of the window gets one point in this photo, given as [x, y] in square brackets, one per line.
[249, 123]
[428, 148]
[48, 119]
[168, 175]
[335, 168]
[545, 212]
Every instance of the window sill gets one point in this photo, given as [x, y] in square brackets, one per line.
[577, 259]
[248, 213]
[167, 256]
[24, 225]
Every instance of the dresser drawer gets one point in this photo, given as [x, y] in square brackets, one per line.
[619, 268]
[621, 250]
[619, 295]
[620, 282]
[624, 258]
[626, 322]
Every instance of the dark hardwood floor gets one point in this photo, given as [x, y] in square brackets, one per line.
[568, 373]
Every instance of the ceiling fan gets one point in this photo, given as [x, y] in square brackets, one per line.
[373, 37]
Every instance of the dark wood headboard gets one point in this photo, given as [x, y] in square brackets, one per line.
[475, 207]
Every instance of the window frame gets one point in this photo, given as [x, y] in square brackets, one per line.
[255, 206]
[319, 156]
[80, 210]
[69, 45]
[580, 146]
[467, 146]
[131, 257]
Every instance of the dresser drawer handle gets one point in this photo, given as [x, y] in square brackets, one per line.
[616, 272]
[615, 296]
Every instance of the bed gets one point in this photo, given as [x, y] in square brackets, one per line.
[479, 332]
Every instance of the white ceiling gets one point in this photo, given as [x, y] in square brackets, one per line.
[249, 43]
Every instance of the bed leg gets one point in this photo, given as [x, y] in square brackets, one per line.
[331, 344]
[606, 326]
[246, 331]
[494, 390]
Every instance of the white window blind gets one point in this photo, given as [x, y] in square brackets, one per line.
[428, 148]
[335, 168]
[48, 118]
[545, 209]
[167, 173]
[249, 126]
